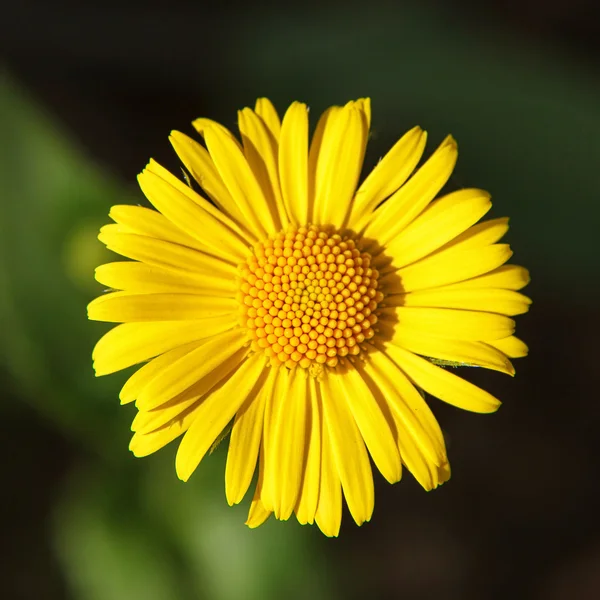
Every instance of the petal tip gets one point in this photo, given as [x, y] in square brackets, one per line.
[99, 371]
[493, 407]
[176, 138]
[232, 495]
[450, 142]
[135, 448]
[184, 466]
[183, 472]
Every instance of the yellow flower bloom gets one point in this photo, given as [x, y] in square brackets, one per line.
[308, 310]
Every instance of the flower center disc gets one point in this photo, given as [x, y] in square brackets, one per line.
[308, 297]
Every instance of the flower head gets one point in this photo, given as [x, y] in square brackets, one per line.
[277, 295]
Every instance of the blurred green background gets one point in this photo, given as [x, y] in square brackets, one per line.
[88, 92]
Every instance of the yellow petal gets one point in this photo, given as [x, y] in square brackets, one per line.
[148, 222]
[143, 278]
[442, 384]
[411, 414]
[177, 415]
[329, 510]
[293, 158]
[143, 444]
[153, 414]
[314, 153]
[450, 323]
[152, 423]
[482, 234]
[309, 494]
[131, 343]
[371, 423]
[286, 443]
[122, 307]
[439, 223]
[494, 300]
[443, 473]
[510, 277]
[339, 164]
[261, 151]
[202, 126]
[185, 189]
[266, 111]
[389, 174]
[138, 381]
[258, 514]
[274, 387]
[215, 412]
[364, 105]
[192, 367]
[193, 214]
[446, 268]
[477, 237]
[164, 254]
[348, 450]
[511, 346]
[199, 163]
[241, 183]
[244, 446]
[466, 353]
[424, 470]
[423, 467]
[410, 200]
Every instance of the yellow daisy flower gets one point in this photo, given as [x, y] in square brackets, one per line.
[305, 311]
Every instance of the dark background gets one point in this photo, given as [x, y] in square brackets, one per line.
[89, 91]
